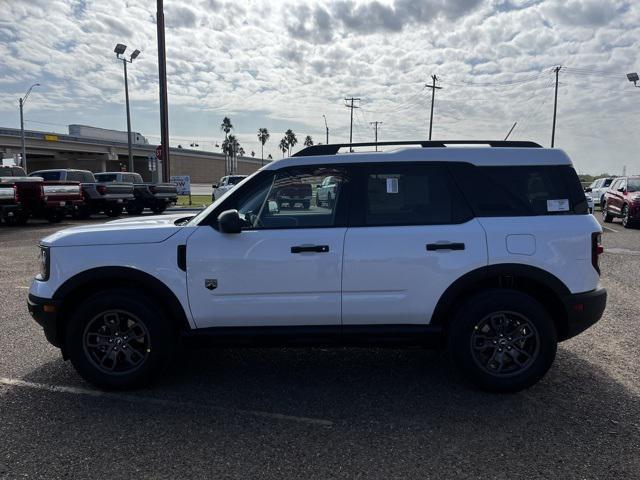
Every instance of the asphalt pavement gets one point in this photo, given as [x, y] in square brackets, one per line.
[321, 413]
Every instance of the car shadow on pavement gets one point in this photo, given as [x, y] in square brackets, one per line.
[577, 420]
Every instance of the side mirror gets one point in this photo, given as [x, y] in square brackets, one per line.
[215, 185]
[319, 185]
[230, 222]
[621, 189]
[588, 190]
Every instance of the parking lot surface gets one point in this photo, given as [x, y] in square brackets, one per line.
[322, 413]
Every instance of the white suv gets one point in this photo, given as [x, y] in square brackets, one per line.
[413, 249]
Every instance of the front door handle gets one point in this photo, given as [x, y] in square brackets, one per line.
[310, 248]
[444, 246]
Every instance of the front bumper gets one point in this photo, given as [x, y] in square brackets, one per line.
[45, 312]
[583, 310]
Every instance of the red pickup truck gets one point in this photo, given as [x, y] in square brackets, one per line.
[22, 197]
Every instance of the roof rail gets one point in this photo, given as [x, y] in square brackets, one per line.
[334, 148]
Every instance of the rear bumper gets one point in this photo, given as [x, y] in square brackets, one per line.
[47, 317]
[10, 210]
[583, 310]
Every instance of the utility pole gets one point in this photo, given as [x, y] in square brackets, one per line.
[352, 106]
[326, 127]
[164, 108]
[555, 109]
[375, 126]
[433, 98]
[23, 145]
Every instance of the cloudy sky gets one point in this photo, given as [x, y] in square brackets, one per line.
[284, 64]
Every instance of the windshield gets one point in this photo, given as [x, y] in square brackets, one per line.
[235, 180]
[633, 185]
[106, 177]
[46, 175]
[204, 213]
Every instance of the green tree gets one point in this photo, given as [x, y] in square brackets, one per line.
[291, 139]
[308, 141]
[263, 136]
[284, 145]
[226, 127]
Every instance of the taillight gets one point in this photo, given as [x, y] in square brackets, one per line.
[596, 250]
[16, 197]
[102, 189]
[41, 191]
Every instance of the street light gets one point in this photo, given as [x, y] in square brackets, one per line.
[633, 77]
[22, 101]
[326, 127]
[119, 51]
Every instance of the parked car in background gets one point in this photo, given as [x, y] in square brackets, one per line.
[326, 193]
[489, 252]
[155, 196]
[622, 200]
[225, 184]
[107, 197]
[590, 203]
[22, 197]
[294, 193]
[598, 188]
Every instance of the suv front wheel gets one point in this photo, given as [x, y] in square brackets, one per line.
[606, 216]
[119, 339]
[502, 340]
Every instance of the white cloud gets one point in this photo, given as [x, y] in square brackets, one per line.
[283, 65]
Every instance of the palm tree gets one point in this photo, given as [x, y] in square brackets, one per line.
[241, 151]
[253, 154]
[308, 141]
[270, 157]
[291, 139]
[284, 145]
[263, 136]
[226, 127]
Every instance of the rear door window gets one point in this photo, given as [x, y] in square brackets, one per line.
[408, 194]
[521, 190]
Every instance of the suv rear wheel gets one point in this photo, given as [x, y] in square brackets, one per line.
[118, 339]
[606, 216]
[502, 340]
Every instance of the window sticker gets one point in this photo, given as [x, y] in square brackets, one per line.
[392, 185]
[560, 205]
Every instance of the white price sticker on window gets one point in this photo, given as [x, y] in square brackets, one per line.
[561, 205]
[392, 185]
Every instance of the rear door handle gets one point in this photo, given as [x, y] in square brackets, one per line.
[444, 246]
[310, 248]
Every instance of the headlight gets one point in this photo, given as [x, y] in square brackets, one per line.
[45, 263]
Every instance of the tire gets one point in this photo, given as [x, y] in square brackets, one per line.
[104, 355]
[606, 216]
[159, 208]
[482, 340]
[135, 209]
[306, 205]
[626, 220]
[55, 216]
[82, 213]
[113, 211]
[17, 220]
[601, 202]
[329, 201]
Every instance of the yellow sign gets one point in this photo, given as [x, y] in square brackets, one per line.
[51, 138]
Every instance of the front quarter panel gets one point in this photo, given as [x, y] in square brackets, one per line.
[159, 260]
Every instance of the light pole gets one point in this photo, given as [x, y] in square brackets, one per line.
[326, 127]
[23, 100]
[119, 50]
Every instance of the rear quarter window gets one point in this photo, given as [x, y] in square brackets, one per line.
[521, 190]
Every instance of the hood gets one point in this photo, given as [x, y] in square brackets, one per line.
[154, 229]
